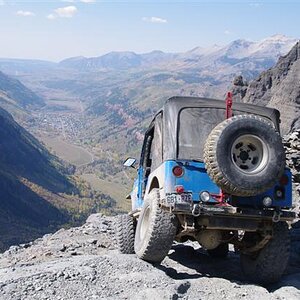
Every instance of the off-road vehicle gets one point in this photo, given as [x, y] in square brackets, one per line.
[215, 173]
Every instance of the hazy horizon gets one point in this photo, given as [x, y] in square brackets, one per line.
[128, 50]
[54, 30]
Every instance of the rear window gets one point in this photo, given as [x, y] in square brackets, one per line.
[195, 124]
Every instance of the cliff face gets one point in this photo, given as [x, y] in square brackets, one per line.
[23, 156]
[277, 87]
[24, 212]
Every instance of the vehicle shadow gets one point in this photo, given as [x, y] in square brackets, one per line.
[186, 262]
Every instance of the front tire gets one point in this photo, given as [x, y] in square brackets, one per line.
[156, 230]
[268, 265]
[125, 229]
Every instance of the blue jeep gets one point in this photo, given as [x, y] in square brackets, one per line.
[216, 178]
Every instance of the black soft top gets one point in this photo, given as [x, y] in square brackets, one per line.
[173, 107]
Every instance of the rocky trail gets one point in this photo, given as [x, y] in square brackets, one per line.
[83, 263]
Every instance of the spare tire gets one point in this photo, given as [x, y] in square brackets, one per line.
[244, 155]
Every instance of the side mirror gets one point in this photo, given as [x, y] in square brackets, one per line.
[129, 162]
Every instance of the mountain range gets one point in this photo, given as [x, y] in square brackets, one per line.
[265, 52]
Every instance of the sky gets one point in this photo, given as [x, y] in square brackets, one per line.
[58, 29]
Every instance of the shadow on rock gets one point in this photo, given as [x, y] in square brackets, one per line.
[190, 263]
[185, 262]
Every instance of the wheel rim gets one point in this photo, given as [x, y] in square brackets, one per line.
[145, 223]
[249, 154]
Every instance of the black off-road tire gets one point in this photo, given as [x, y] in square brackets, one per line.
[219, 157]
[268, 265]
[156, 230]
[220, 252]
[125, 229]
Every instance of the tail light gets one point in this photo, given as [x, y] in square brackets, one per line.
[179, 189]
[178, 171]
[284, 180]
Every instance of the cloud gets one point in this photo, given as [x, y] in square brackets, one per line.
[24, 13]
[65, 12]
[154, 20]
[227, 32]
[51, 17]
[255, 4]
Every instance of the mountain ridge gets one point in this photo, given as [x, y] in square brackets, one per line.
[240, 48]
[272, 46]
[13, 91]
[277, 87]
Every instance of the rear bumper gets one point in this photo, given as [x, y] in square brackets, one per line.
[228, 211]
[248, 213]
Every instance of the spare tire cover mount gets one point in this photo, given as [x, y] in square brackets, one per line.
[249, 153]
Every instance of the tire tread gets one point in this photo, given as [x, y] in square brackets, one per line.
[125, 229]
[272, 260]
[160, 234]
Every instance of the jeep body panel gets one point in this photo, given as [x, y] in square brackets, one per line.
[195, 180]
[160, 155]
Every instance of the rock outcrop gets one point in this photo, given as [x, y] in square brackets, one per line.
[82, 263]
[239, 88]
[278, 87]
[292, 146]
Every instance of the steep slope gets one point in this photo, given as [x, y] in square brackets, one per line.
[26, 171]
[83, 263]
[18, 93]
[23, 155]
[278, 87]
